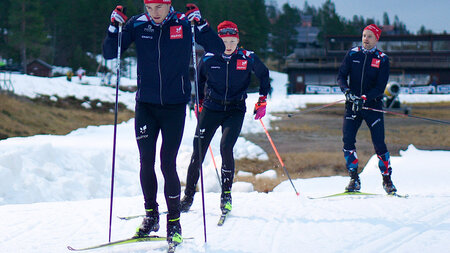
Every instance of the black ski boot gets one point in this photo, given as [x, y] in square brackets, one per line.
[174, 231]
[186, 203]
[149, 224]
[225, 202]
[388, 185]
[354, 184]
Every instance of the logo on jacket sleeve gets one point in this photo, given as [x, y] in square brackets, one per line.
[176, 32]
[241, 65]
[375, 63]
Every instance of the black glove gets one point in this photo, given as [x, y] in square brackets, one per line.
[349, 97]
[357, 104]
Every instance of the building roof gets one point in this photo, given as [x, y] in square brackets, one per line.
[43, 63]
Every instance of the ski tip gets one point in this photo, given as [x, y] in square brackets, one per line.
[399, 195]
[171, 248]
[70, 248]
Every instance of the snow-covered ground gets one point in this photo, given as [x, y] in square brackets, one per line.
[54, 190]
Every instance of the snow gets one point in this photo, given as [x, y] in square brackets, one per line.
[269, 174]
[54, 190]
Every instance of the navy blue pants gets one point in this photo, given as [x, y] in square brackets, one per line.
[168, 120]
[231, 122]
[375, 122]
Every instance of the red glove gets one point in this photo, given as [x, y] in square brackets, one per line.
[199, 109]
[193, 13]
[260, 107]
[118, 16]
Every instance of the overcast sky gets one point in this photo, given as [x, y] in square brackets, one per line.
[433, 14]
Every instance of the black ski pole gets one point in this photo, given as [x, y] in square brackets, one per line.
[197, 103]
[315, 108]
[116, 107]
[406, 115]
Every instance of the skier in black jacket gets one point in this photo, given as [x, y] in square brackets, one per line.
[368, 69]
[163, 42]
[227, 77]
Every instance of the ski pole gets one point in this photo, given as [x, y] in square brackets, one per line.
[116, 107]
[278, 155]
[315, 108]
[197, 102]
[406, 115]
[215, 166]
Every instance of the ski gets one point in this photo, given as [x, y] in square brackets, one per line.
[131, 217]
[399, 195]
[357, 193]
[136, 216]
[171, 248]
[151, 238]
[345, 194]
[222, 218]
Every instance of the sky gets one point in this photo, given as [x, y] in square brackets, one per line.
[54, 191]
[433, 14]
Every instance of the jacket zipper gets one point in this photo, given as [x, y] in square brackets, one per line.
[159, 65]
[362, 74]
[182, 85]
[226, 86]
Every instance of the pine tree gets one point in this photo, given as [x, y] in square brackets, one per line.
[26, 34]
[284, 32]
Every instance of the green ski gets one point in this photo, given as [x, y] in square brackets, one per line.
[151, 238]
[222, 218]
[358, 194]
[345, 194]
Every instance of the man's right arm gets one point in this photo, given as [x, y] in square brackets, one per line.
[344, 70]
[110, 43]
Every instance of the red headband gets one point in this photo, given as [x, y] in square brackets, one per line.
[228, 29]
[157, 1]
[375, 29]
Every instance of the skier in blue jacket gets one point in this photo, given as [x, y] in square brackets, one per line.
[368, 71]
[223, 82]
[163, 42]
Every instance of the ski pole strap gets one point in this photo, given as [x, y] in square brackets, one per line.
[406, 115]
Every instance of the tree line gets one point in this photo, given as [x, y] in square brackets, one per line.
[70, 33]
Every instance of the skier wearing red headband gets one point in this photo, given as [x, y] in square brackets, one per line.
[163, 41]
[362, 77]
[226, 77]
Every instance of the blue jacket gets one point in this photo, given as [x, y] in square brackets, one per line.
[163, 55]
[368, 72]
[227, 80]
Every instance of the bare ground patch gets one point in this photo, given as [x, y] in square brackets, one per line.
[310, 144]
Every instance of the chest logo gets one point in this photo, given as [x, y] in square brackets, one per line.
[176, 32]
[241, 65]
[375, 63]
[149, 29]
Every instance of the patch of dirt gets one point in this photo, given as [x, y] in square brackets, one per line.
[310, 144]
[22, 116]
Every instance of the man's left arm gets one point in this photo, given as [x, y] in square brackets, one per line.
[262, 73]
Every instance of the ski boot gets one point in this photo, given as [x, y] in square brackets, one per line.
[388, 185]
[186, 203]
[174, 232]
[225, 202]
[149, 224]
[354, 184]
